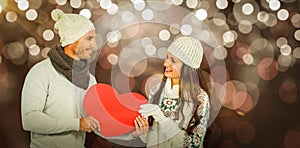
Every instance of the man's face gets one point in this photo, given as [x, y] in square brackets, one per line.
[85, 45]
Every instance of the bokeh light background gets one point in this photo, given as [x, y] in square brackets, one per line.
[252, 64]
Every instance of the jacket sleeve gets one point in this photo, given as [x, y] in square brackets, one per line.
[34, 94]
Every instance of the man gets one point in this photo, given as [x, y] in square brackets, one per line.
[54, 88]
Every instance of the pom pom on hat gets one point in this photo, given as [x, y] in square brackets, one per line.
[70, 27]
[56, 14]
[188, 50]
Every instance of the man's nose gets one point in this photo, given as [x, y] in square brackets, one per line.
[94, 44]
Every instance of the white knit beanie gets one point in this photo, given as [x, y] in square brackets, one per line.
[188, 50]
[70, 27]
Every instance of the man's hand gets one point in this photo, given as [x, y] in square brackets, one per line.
[88, 124]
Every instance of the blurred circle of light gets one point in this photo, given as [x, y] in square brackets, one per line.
[272, 21]
[31, 14]
[281, 41]
[192, 3]
[238, 51]
[61, 2]
[247, 8]
[274, 5]
[205, 5]
[267, 69]
[285, 50]
[45, 51]
[48, 35]
[162, 52]
[86, 13]
[283, 14]
[23, 5]
[228, 90]
[148, 14]
[113, 44]
[164, 35]
[220, 53]
[296, 52]
[114, 36]
[222, 4]
[43, 18]
[11, 16]
[177, 2]
[113, 9]
[295, 20]
[219, 19]
[297, 35]
[132, 61]
[30, 41]
[244, 132]
[186, 29]
[201, 14]
[285, 61]
[112, 59]
[248, 59]
[75, 3]
[102, 58]
[0, 8]
[236, 1]
[288, 92]
[160, 7]
[34, 50]
[3, 73]
[105, 4]
[228, 36]
[257, 45]
[127, 16]
[218, 73]
[251, 98]
[291, 139]
[262, 16]
[14, 50]
[138, 4]
[146, 41]
[121, 82]
[150, 82]
[245, 26]
[150, 50]
[174, 28]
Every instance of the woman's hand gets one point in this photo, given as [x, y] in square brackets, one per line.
[141, 126]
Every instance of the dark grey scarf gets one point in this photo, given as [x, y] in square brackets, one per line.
[75, 71]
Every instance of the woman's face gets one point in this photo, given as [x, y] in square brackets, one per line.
[172, 67]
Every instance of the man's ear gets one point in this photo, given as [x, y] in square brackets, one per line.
[73, 46]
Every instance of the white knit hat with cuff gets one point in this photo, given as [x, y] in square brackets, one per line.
[188, 50]
[70, 27]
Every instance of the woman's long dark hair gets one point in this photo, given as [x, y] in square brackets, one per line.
[191, 80]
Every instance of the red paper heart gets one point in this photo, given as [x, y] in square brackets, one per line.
[115, 112]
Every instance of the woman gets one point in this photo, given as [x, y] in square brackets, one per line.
[180, 104]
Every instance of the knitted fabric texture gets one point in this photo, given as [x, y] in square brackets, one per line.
[70, 27]
[75, 71]
[188, 50]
